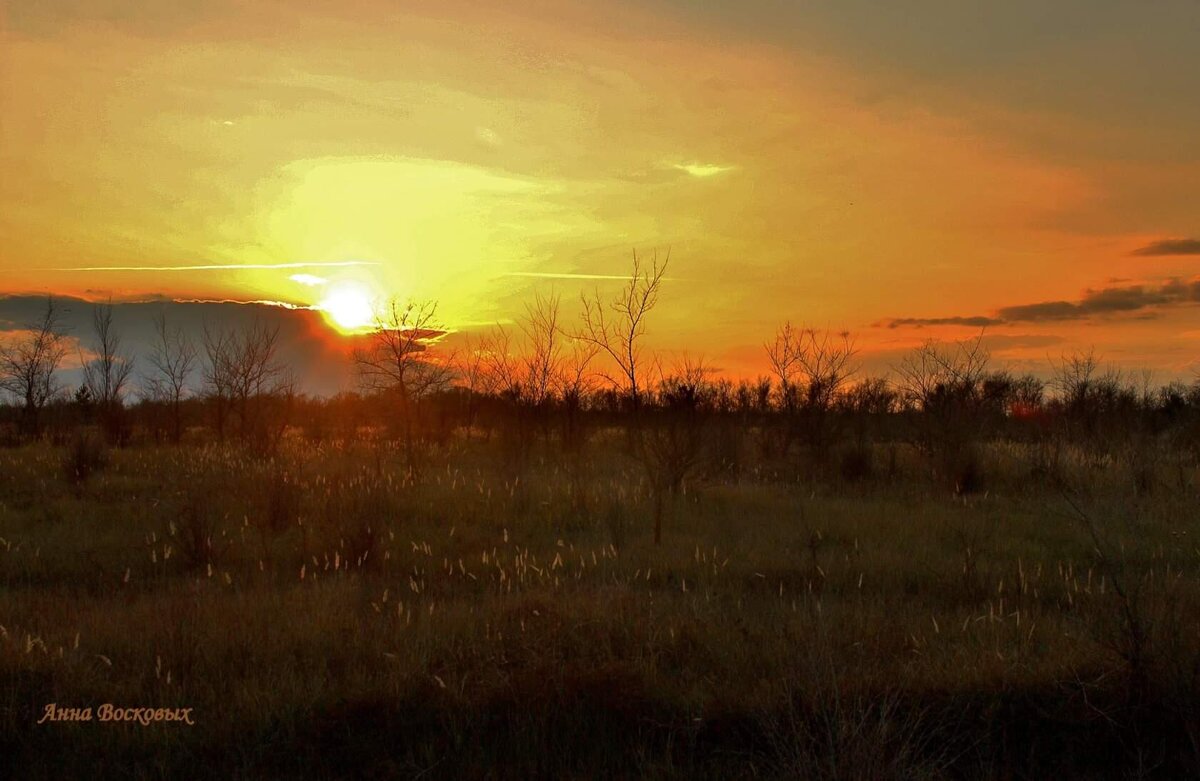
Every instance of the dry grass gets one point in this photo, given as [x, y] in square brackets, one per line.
[329, 615]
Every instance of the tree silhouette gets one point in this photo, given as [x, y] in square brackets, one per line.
[616, 327]
[173, 357]
[396, 361]
[107, 374]
[29, 363]
[244, 371]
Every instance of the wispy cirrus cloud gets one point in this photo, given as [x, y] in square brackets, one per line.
[224, 266]
[1169, 247]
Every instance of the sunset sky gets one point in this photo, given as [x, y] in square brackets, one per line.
[901, 170]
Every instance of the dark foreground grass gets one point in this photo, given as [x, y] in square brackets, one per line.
[328, 615]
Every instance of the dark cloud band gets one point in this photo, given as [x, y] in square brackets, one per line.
[1169, 247]
[1143, 299]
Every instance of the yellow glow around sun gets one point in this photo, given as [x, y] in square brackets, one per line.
[348, 306]
[438, 230]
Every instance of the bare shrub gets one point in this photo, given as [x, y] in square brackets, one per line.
[1046, 461]
[355, 512]
[196, 529]
[973, 539]
[284, 501]
[84, 456]
[1129, 624]
[825, 731]
[615, 522]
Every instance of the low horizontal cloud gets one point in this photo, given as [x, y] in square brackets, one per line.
[921, 322]
[1110, 300]
[1136, 300]
[1170, 247]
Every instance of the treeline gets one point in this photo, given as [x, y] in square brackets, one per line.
[552, 381]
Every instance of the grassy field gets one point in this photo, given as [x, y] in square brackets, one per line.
[326, 614]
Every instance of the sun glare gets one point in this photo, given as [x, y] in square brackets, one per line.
[348, 307]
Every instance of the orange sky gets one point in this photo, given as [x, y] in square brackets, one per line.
[843, 167]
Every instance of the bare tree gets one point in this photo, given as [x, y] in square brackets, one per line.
[522, 372]
[577, 379]
[542, 373]
[397, 361]
[107, 374]
[1091, 398]
[502, 369]
[173, 357]
[943, 384]
[576, 383]
[28, 365]
[616, 327]
[543, 359]
[936, 374]
[470, 365]
[867, 400]
[811, 369]
[219, 373]
[783, 356]
[671, 446]
[1082, 384]
[827, 363]
[243, 373]
[397, 357]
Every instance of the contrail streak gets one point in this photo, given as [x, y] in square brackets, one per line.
[259, 301]
[223, 267]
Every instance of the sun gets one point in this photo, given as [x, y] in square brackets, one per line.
[348, 306]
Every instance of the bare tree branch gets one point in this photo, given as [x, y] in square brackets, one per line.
[28, 365]
[616, 327]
